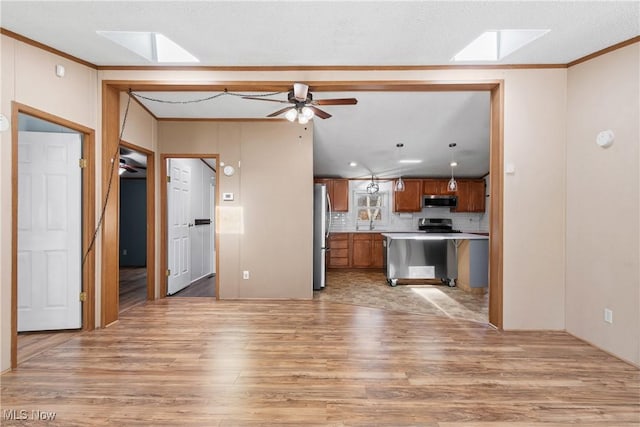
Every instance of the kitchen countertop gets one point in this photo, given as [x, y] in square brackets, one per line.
[396, 232]
[435, 236]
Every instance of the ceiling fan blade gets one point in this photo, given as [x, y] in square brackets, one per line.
[300, 91]
[277, 113]
[318, 112]
[337, 101]
[265, 99]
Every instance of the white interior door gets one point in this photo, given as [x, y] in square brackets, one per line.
[49, 231]
[178, 216]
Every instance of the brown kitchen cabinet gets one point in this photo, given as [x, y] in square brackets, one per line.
[338, 255]
[356, 250]
[409, 200]
[435, 187]
[378, 251]
[338, 191]
[471, 195]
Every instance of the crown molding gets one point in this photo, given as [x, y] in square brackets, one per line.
[50, 49]
[604, 51]
[44, 47]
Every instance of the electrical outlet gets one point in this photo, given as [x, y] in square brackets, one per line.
[608, 315]
[245, 274]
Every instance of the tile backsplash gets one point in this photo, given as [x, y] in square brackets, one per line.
[347, 221]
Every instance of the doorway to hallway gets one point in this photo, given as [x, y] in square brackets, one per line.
[189, 225]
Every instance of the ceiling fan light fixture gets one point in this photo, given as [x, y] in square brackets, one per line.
[307, 113]
[291, 115]
[302, 119]
[300, 91]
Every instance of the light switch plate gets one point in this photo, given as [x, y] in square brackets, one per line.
[227, 197]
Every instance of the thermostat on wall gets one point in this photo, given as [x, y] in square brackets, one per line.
[228, 170]
[228, 197]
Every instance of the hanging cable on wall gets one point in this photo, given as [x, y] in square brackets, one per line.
[208, 98]
[115, 155]
[108, 192]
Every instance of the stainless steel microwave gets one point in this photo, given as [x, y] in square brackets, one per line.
[439, 201]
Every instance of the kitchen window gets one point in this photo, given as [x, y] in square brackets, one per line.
[371, 209]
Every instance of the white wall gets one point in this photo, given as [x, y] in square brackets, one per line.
[534, 140]
[267, 227]
[535, 132]
[28, 77]
[534, 200]
[603, 198]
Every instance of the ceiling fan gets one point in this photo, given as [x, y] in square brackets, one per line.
[129, 162]
[303, 106]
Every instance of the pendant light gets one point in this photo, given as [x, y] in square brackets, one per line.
[373, 187]
[399, 183]
[452, 185]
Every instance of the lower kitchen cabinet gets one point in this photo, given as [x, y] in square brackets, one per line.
[378, 251]
[356, 250]
[338, 255]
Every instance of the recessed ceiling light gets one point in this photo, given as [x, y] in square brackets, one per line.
[495, 45]
[410, 161]
[353, 164]
[154, 47]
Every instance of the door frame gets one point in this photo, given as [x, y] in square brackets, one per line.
[164, 261]
[87, 212]
[151, 219]
[110, 128]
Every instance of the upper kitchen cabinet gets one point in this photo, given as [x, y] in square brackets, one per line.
[435, 187]
[338, 191]
[409, 200]
[471, 195]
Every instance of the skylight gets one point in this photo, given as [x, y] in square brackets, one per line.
[497, 44]
[154, 47]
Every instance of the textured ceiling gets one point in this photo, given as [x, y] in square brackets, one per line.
[271, 33]
[346, 33]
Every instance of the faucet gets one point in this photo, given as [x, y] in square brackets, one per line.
[371, 226]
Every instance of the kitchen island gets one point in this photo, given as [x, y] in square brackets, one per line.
[435, 256]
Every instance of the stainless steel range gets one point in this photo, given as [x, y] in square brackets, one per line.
[436, 225]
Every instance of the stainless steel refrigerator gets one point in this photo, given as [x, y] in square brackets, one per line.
[321, 225]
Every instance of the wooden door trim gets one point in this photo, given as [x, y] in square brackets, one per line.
[496, 206]
[88, 215]
[110, 238]
[163, 217]
[151, 217]
[494, 86]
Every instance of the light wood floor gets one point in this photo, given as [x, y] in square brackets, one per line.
[33, 343]
[132, 287]
[205, 287]
[201, 362]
